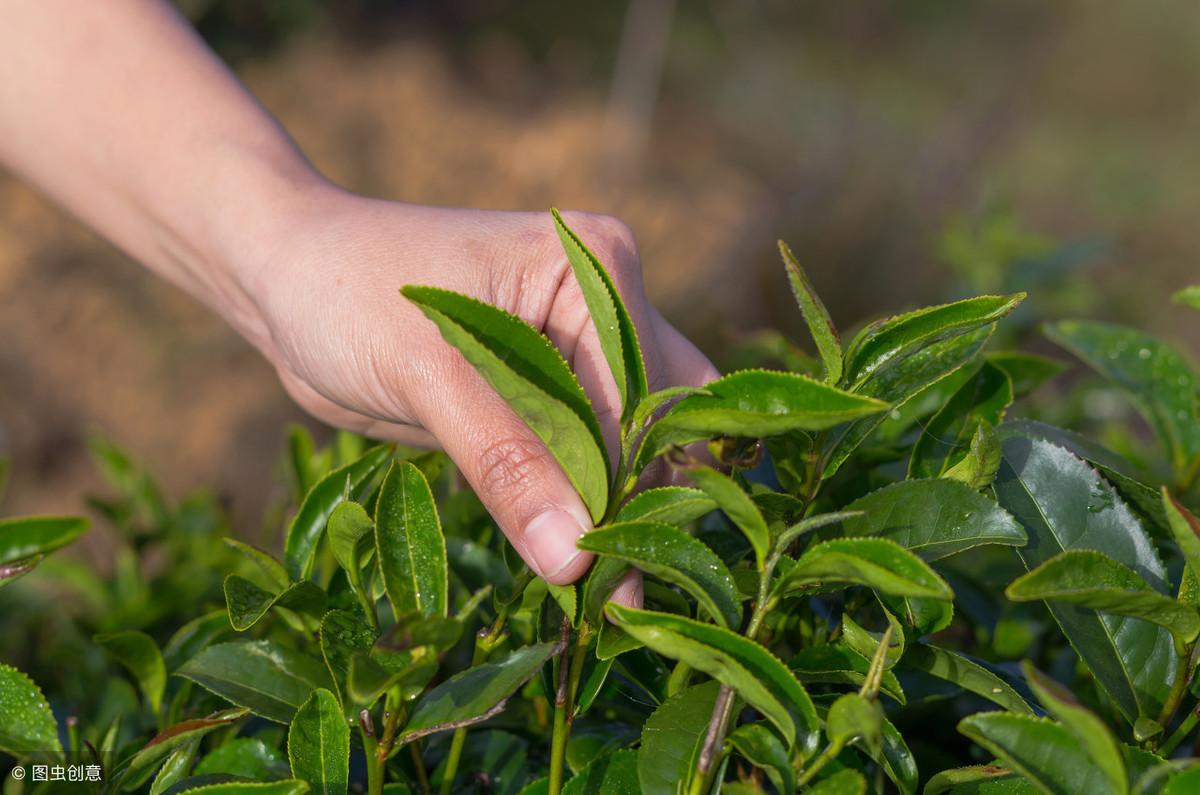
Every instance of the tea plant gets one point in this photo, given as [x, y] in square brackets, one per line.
[866, 548]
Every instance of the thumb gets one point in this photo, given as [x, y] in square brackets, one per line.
[515, 476]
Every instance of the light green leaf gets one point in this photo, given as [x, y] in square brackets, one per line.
[476, 694]
[344, 634]
[820, 325]
[1091, 579]
[811, 524]
[1064, 504]
[933, 518]
[866, 643]
[1188, 296]
[738, 506]
[612, 774]
[833, 663]
[853, 718]
[179, 735]
[247, 757]
[27, 725]
[351, 536]
[532, 377]
[618, 336]
[843, 782]
[175, 768]
[269, 679]
[1040, 750]
[674, 556]
[410, 546]
[945, 437]
[29, 536]
[247, 603]
[675, 505]
[1186, 782]
[671, 739]
[875, 563]
[654, 403]
[304, 533]
[978, 467]
[1185, 529]
[273, 569]
[964, 672]
[139, 654]
[319, 744]
[759, 746]
[756, 674]
[370, 676]
[1157, 378]
[979, 780]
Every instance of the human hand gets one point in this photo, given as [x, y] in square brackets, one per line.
[354, 353]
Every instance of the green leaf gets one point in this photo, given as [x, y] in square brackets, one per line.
[476, 694]
[193, 636]
[306, 466]
[1040, 750]
[896, 759]
[672, 737]
[674, 556]
[738, 506]
[944, 438]
[978, 467]
[139, 654]
[612, 774]
[1157, 378]
[603, 578]
[964, 672]
[1185, 783]
[175, 768]
[1064, 505]
[675, 505]
[886, 345]
[344, 634]
[933, 518]
[15, 570]
[1188, 296]
[811, 524]
[618, 336]
[875, 563]
[654, 403]
[820, 325]
[179, 735]
[411, 549]
[754, 403]
[370, 676]
[761, 748]
[27, 726]
[843, 782]
[247, 603]
[1185, 529]
[854, 718]
[533, 379]
[269, 679]
[867, 643]
[29, 536]
[319, 744]
[833, 663]
[273, 569]
[1088, 729]
[1091, 579]
[304, 533]
[756, 674]
[979, 780]
[351, 536]
[286, 787]
[1027, 371]
[247, 757]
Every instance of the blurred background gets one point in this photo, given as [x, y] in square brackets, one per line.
[909, 152]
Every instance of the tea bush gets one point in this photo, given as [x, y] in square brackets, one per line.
[877, 581]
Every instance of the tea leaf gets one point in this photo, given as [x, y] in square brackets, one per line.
[351, 538]
[1183, 783]
[370, 676]
[875, 563]
[896, 759]
[867, 643]
[409, 542]
[844, 782]
[756, 674]
[178, 735]
[671, 504]
[1063, 505]
[475, 694]
[344, 634]
[1188, 296]
[738, 506]
[247, 757]
[618, 337]
[833, 663]
[175, 768]
[1027, 371]
[273, 569]
[247, 603]
[933, 518]
[854, 718]
[886, 345]
[606, 573]
[139, 654]
[286, 787]
[304, 533]
[1040, 750]
[1089, 730]
[1157, 378]
[811, 524]
[759, 746]
[653, 403]
[1185, 529]
[972, 780]
[983, 399]
[978, 467]
[612, 774]
[820, 325]
[306, 467]
[754, 404]
[193, 636]
[318, 744]
[674, 556]
[964, 672]
[27, 537]
[28, 726]
[671, 739]
[1091, 579]
[532, 377]
[270, 680]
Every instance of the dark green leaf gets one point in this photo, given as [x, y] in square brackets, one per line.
[812, 523]
[247, 757]
[674, 556]
[1063, 505]
[269, 679]
[836, 664]
[1027, 371]
[756, 674]
[319, 744]
[671, 504]
[139, 654]
[618, 337]
[193, 636]
[964, 672]
[738, 506]
[945, 437]
[29, 536]
[761, 748]
[1185, 529]
[872, 562]
[285, 787]
[979, 780]
[933, 518]
[370, 676]
[1040, 750]
[409, 542]
[603, 578]
[613, 774]
[843, 782]
[896, 759]
[247, 603]
[27, 725]
[820, 325]
[344, 634]
[533, 379]
[304, 533]
[671, 738]
[273, 569]
[178, 735]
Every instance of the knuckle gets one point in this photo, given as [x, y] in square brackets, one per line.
[511, 467]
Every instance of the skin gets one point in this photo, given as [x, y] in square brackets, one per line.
[119, 112]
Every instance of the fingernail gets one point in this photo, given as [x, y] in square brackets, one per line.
[550, 539]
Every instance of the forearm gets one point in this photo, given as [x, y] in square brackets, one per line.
[118, 111]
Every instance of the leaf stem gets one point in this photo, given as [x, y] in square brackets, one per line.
[485, 641]
[825, 757]
[1181, 733]
[374, 763]
[558, 741]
